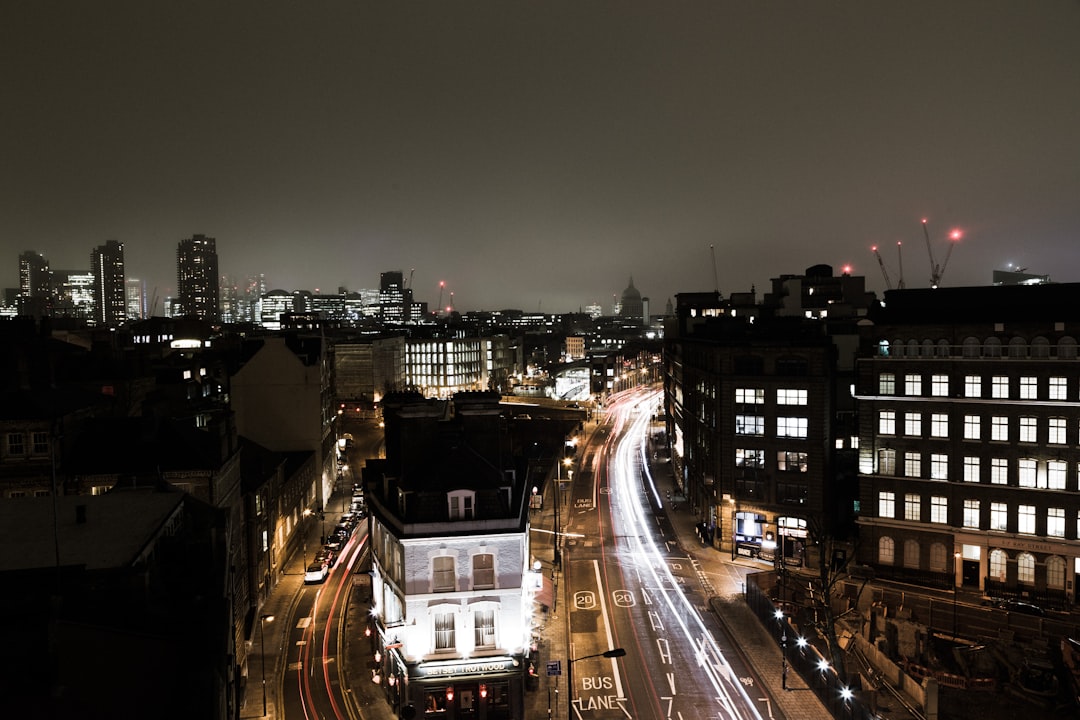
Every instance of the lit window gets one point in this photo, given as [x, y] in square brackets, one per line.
[913, 424]
[791, 460]
[912, 507]
[887, 384]
[939, 425]
[745, 457]
[1026, 472]
[749, 425]
[750, 396]
[1058, 388]
[939, 509]
[790, 397]
[998, 562]
[886, 504]
[886, 461]
[886, 551]
[444, 631]
[791, 427]
[1056, 431]
[1025, 568]
[939, 385]
[1028, 429]
[999, 427]
[999, 516]
[939, 466]
[1055, 522]
[971, 469]
[911, 553]
[999, 471]
[972, 386]
[1055, 573]
[999, 387]
[1029, 388]
[972, 427]
[913, 384]
[1025, 519]
[887, 422]
[484, 625]
[971, 513]
[1055, 474]
[913, 464]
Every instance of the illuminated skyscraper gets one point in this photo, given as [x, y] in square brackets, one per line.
[34, 276]
[107, 266]
[197, 278]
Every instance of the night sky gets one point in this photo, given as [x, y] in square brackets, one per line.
[537, 155]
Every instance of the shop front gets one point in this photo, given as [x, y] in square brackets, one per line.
[481, 689]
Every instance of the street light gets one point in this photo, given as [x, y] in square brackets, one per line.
[956, 559]
[303, 539]
[783, 647]
[263, 619]
[558, 521]
[614, 653]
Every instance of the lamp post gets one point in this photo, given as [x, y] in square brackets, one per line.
[558, 520]
[263, 619]
[956, 561]
[303, 539]
[783, 648]
[613, 653]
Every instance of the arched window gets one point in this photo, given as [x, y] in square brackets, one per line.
[928, 348]
[972, 347]
[943, 348]
[886, 551]
[992, 347]
[1055, 573]
[898, 347]
[1067, 348]
[1040, 347]
[883, 348]
[913, 348]
[1018, 347]
[998, 561]
[1025, 568]
[911, 554]
[938, 556]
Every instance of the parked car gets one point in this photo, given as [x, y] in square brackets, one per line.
[1019, 606]
[334, 542]
[327, 556]
[315, 573]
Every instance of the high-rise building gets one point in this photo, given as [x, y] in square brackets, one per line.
[107, 265]
[394, 298]
[197, 278]
[34, 276]
[136, 298]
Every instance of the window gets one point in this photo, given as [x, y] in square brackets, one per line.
[912, 507]
[999, 516]
[972, 386]
[1025, 519]
[938, 557]
[972, 430]
[484, 627]
[939, 509]
[911, 553]
[1055, 474]
[886, 551]
[998, 560]
[15, 444]
[939, 425]
[886, 384]
[971, 514]
[1029, 388]
[913, 424]
[999, 387]
[971, 469]
[887, 422]
[939, 466]
[745, 457]
[999, 427]
[1056, 431]
[791, 493]
[791, 460]
[788, 396]
[912, 464]
[444, 631]
[1055, 573]
[886, 504]
[913, 384]
[750, 396]
[1026, 472]
[1028, 429]
[444, 578]
[999, 471]
[41, 443]
[461, 504]
[1055, 522]
[1025, 568]
[939, 385]
[1058, 388]
[791, 427]
[886, 461]
[749, 425]
[483, 570]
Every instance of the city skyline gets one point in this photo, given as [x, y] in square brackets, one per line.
[536, 157]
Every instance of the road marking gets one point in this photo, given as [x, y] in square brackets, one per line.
[607, 629]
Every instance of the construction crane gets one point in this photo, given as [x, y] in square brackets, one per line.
[885, 273]
[938, 271]
[439, 307]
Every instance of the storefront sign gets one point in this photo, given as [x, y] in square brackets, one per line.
[478, 667]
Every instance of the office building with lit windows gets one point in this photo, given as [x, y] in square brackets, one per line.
[110, 292]
[197, 279]
[969, 427]
[439, 367]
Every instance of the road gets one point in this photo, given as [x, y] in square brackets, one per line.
[630, 589]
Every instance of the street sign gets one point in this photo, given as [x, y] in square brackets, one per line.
[554, 667]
